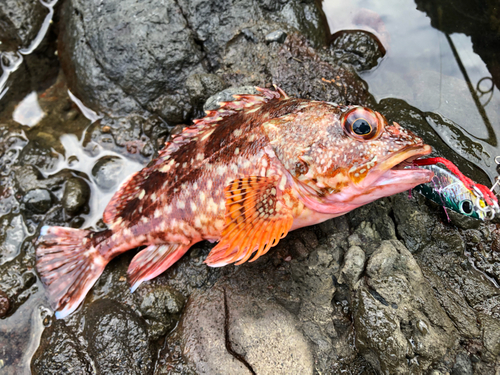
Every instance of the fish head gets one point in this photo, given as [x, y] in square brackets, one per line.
[348, 156]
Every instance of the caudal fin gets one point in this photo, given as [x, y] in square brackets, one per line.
[69, 265]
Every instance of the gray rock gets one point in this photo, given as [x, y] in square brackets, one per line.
[394, 307]
[161, 307]
[354, 262]
[414, 224]
[107, 172]
[117, 339]
[38, 200]
[60, 353]
[113, 72]
[20, 21]
[277, 36]
[76, 195]
[463, 365]
[490, 331]
[261, 331]
[358, 48]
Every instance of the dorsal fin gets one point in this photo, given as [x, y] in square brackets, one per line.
[213, 117]
[200, 131]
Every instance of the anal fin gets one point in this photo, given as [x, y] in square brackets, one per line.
[256, 219]
[152, 261]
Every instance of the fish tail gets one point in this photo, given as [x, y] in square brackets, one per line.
[69, 264]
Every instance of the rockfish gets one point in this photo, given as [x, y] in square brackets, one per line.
[244, 175]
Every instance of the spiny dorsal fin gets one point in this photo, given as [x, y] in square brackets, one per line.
[212, 118]
[199, 132]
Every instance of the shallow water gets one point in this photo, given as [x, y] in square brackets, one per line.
[425, 67]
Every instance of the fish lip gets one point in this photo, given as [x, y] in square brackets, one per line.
[395, 166]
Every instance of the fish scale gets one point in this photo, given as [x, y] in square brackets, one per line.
[244, 175]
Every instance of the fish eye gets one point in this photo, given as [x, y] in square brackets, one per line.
[361, 127]
[466, 207]
[362, 123]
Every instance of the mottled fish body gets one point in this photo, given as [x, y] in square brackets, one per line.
[244, 175]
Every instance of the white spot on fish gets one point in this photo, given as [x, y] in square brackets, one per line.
[197, 222]
[207, 135]
[209, 184]
[193, 207]
[221, 170]
[282, 183]
[237, 132]
[212, 206]
[180, 204]
[142, 194]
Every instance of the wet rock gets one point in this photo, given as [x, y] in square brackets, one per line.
[246, 63]
[414, 223]
[394, 307]
[40, 153]
[107, 172]
[463, 365]
[116, 73]
[20, 21]
[202, 86]
[4, 304]
[373, 223]
[354, 262]
[366, 236]
[117, 339]
[12, 233]
[357, 48]
[460, 312]
[76, 195]
[161, 307]
[123, 75]
[60, 353]
[263, 332]
[38, 200]
[277, 36]
[490, 331]
[134, 136]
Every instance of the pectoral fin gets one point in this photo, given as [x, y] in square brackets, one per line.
[256, 219]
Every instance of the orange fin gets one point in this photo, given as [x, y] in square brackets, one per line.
[153, 261]
[256, 219]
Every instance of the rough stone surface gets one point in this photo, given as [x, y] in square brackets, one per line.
[117, 339]
[356, 48]
[60, 353]
[20, 21]
[262, 331]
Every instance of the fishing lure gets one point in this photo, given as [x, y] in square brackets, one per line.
[457, 192]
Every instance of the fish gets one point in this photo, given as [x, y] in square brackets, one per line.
[243, 176]
[447, 190]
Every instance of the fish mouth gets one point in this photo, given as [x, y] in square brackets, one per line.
[399, 169]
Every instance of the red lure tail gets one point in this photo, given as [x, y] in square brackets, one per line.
[488, 195]
[69, 264]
